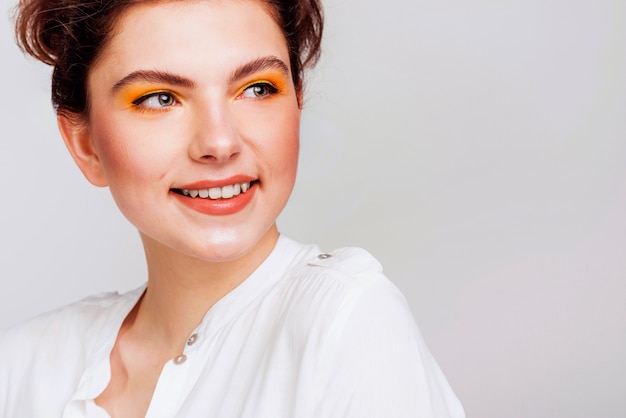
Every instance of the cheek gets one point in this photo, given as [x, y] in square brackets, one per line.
[276, 135]
[291, 141]
[114, 155]
[132, 168]
[125, 152]
[285, 153]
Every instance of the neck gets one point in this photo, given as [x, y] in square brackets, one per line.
[182, 288]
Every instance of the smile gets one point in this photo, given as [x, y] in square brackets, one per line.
[214, 193]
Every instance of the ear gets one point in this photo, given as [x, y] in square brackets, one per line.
[77, 138]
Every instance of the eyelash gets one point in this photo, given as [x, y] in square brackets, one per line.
[158, 95]
[271, 90]
[139, 102]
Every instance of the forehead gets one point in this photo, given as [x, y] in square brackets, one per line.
[196, 35]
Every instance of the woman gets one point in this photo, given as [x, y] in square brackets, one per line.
[189, 112]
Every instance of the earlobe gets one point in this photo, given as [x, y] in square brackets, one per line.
[77, 138]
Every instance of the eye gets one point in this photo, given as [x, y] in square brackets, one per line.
[259, 91]
[158, 100]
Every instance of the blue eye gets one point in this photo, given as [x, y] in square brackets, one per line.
[156, 100]
[259, 91]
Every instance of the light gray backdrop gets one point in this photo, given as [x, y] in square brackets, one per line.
[477, 148]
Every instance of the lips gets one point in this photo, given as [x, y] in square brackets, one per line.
[223, 197]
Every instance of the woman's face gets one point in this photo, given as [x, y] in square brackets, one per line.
[190, 99]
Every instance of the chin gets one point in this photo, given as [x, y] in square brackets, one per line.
[225, 246]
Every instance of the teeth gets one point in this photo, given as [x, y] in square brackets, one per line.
[225, 192]
[215, 193]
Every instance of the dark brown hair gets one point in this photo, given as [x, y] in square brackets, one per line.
[70, 34]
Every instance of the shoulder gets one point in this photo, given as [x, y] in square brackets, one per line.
[64, 331]
[365, 293]
[42, 360]
[325, 291]
[344, 277]
[367, 340]
[351, 261]
[348, 269]
[42, 354]
[71, 319]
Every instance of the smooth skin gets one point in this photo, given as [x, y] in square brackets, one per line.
[225, 107]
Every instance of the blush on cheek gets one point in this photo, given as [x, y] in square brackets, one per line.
[288, 142]
[292, 127]
[121, 152]
[292, 153]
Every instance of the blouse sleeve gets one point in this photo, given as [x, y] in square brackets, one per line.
[378, 366]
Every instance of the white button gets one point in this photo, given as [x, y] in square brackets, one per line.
[192, 339]
[180, 359]
[324, 256]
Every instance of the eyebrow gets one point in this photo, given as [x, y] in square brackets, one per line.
[259, 64]
[153, 76]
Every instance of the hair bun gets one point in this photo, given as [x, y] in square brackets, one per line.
[38, 28]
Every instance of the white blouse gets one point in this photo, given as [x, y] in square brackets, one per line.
[307, 335]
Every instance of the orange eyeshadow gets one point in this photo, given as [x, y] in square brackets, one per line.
[127, 95]
[275, 78]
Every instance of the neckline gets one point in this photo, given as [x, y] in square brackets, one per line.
[97, 373]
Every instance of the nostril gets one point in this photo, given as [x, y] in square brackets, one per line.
[214, 152]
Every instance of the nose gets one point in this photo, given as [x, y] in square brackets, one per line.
[215, 136]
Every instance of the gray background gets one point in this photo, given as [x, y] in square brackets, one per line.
[477, 148]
